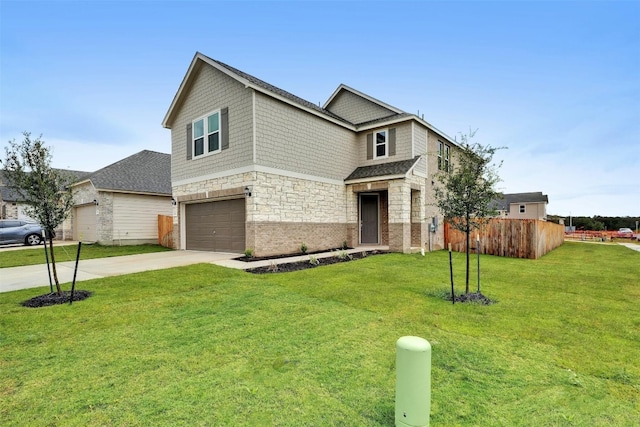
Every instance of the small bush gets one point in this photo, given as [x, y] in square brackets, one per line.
[313, 260]
[343, 255]
[303, 248]
[248, 253]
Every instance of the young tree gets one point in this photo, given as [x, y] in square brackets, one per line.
[467, 189]
[46, 191]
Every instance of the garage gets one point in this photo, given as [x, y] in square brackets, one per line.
[216, 226]
[85, 224]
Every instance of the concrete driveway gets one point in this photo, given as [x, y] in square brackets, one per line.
[34, 276]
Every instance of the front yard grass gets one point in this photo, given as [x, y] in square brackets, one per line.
[204, 345]
[32, 256]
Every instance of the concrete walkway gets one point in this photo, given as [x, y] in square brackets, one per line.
[34, 276]
[633, 246]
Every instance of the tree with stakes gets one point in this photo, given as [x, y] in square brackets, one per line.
[46, 191]
[466, 191]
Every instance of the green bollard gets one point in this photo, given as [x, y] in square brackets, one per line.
[413, 382]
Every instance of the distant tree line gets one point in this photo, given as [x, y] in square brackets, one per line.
[598, 223]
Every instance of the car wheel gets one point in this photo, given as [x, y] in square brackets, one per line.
[33, 239]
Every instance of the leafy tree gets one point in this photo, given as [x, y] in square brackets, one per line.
[46, 191]
[467, 189]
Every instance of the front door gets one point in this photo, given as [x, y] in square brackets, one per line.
[369, 219]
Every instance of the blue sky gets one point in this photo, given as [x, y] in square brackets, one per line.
[558, 83]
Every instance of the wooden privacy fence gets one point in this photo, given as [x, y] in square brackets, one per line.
[515, 238]
[165, 231]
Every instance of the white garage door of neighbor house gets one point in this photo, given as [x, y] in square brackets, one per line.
[216, 226]
[85, 224]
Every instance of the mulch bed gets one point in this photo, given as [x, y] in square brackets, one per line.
[473, 298]
[303, 265]
[54, 299]
[245, 258]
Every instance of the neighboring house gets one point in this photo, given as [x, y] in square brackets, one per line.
[13, 207]
[120, 203]
[523, 206]
[255, 167]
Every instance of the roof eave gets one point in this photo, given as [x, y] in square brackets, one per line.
[136, 192]
[362, 95]
[413, 117]
[168, 119]
[375, 178]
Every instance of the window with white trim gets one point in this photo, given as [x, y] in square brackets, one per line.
[206, 134]
[381, 142]
[440, 152]
[522, 208]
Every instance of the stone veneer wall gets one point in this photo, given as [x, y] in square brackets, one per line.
[282, 213]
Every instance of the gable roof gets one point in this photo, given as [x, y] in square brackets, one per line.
[249, 81]
[8, 192]
[511, 198]
[389, 170]
[255, 83]
[144, 172]
[345, 88]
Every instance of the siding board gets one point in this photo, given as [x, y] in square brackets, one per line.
[135, 217]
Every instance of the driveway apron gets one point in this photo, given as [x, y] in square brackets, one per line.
[34, 276]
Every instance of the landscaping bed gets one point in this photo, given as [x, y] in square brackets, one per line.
[55, 298]
[312, 262]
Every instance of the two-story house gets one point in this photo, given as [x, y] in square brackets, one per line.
[531, 205]
[255, 167]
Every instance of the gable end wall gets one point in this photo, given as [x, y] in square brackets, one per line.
[212, 90]
[357, 109]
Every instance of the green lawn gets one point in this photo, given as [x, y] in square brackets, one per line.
[209, 346]
[64, 253]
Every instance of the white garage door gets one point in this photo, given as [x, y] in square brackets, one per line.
[85, 224]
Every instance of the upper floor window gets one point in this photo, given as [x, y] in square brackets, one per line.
[381, 142]
[206, 134]
[447, 164]
[522, 208]
[444, 157]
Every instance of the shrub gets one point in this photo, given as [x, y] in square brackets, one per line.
[313, 260]
[303, 248]
[248, 253]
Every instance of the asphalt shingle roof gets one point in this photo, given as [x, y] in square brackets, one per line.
[510, 198]
[278, 91]
[9, 193]
[383, 169]
[144, 172]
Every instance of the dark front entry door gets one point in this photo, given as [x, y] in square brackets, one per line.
[369, 221]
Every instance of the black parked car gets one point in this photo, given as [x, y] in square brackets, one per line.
[20, 231]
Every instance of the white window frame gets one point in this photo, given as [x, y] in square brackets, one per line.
[386, 144]
[523, 209]
[207, 133]
[440, 154]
